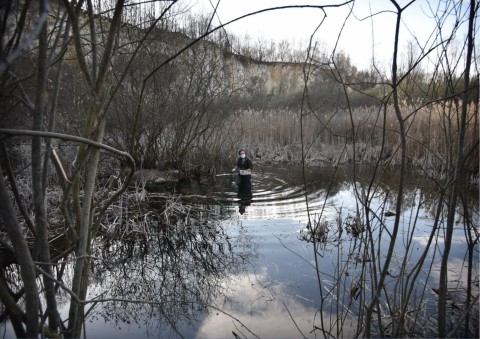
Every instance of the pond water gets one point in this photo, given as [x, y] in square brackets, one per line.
[236, 266]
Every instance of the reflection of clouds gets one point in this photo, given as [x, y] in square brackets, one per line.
[457, 273]
[265, 308]
[456, 240]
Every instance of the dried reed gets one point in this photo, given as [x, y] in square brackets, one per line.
[367, 135]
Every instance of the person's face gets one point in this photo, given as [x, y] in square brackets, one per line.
[242, 154]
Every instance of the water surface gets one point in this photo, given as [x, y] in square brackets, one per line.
[234, 266]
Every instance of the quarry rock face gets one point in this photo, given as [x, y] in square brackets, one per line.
[267, 78]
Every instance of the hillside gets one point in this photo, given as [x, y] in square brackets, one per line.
[247, 78]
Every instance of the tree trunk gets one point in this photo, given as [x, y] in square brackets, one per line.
[87, 159]
[401, 181]
[452, 205]
[41, 246]
[24, 259]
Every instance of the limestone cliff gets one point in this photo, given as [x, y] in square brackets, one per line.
[268, 78]
[244, 76]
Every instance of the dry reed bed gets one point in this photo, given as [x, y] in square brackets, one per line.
[367, 134]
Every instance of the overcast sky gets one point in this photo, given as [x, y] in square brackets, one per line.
[364, 35]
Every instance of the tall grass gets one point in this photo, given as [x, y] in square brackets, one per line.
[366, 135]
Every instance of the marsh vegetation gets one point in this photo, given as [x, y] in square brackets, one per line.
[95, 94]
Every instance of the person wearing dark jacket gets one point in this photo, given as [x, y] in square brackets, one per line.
[244, 167]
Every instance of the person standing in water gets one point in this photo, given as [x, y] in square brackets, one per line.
[244, 167]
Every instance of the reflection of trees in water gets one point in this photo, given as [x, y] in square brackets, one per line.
[349, 264]
[384, 188]
[417, 189]
[170, 276]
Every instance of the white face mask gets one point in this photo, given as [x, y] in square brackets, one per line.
[242, 155]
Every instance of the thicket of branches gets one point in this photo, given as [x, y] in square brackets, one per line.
[90, 91]
[446, 115]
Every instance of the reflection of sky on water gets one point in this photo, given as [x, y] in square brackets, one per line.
[277, 214]
[279, 297]
[267, 308]
[277, 293]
